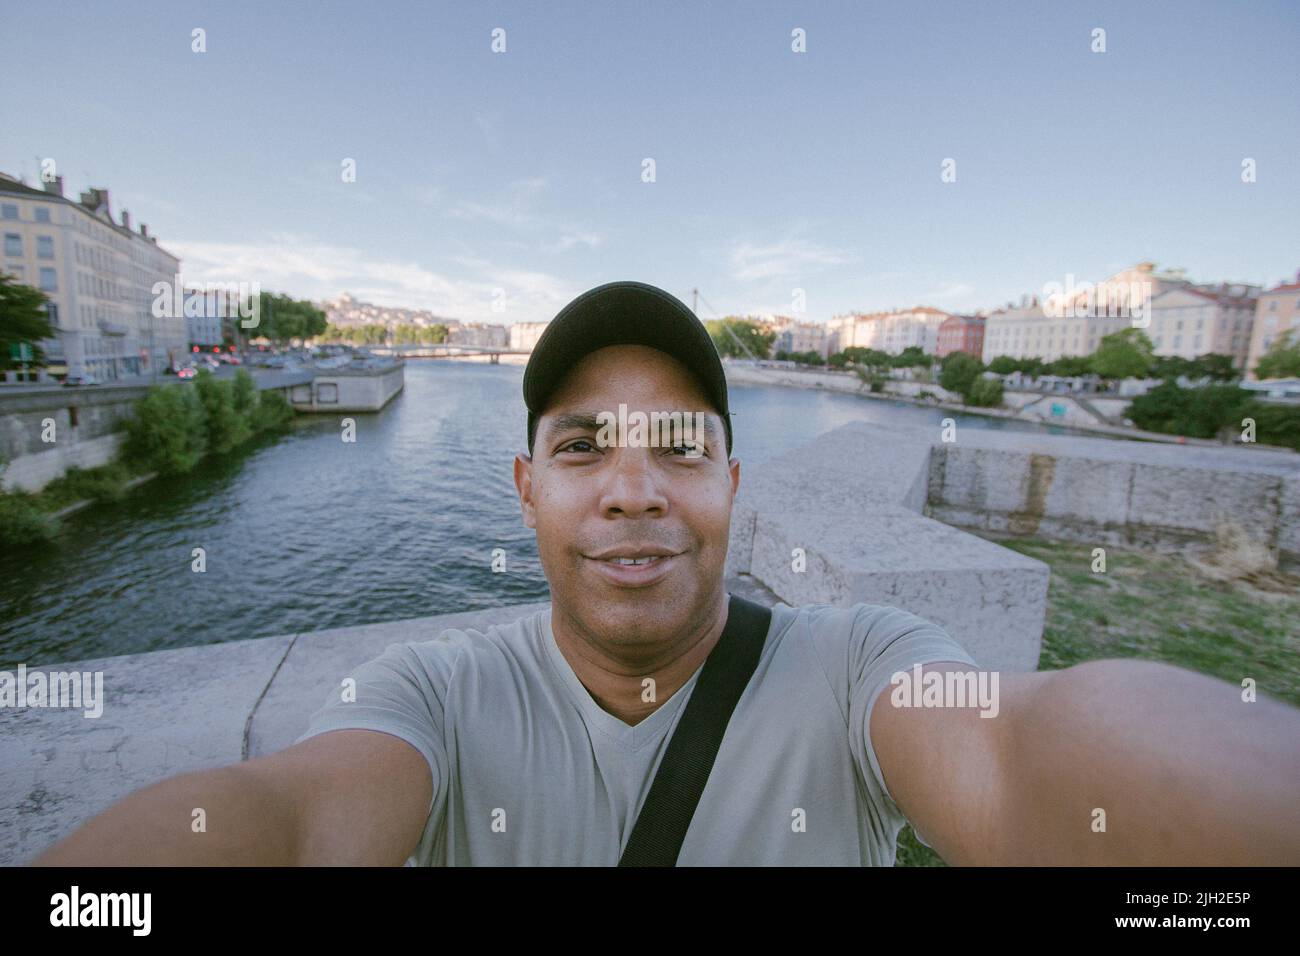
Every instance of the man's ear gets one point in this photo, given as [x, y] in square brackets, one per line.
[734, 467]
[524, 485]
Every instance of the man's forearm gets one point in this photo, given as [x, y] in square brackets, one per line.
[1129, 762]
[244, 823]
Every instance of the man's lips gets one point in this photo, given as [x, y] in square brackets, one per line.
[633, 566]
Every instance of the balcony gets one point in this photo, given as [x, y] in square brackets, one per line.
[112, 328]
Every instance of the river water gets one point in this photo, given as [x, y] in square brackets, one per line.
[308, 532]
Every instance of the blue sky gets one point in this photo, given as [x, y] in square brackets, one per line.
[775, 171]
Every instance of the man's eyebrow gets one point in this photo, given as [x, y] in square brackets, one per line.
[587, 421]
[580, 421]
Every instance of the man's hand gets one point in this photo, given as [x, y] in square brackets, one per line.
[1185, 772]
[351, 797]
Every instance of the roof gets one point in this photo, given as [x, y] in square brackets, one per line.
[13, 187]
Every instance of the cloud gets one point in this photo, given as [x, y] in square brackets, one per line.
[513, 208]
[305, 268]
[789, 258]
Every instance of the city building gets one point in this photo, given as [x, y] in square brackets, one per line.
[961, 333]
[479, 335]
[890, 332]
[1198, 320]
[212, 318]
[798, 337]
[1277, 312]
[524, 335]
[345, 312]
[1074, 321]
[99, 275]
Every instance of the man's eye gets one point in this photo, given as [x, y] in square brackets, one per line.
[689, 450]
[574, 446]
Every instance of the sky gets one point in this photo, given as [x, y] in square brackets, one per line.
[496, 186]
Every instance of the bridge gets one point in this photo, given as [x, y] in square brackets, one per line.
[443, 350]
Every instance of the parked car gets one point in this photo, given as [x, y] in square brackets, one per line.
[80, 380]
[188, 371]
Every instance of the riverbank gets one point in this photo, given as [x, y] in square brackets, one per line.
[739, 373]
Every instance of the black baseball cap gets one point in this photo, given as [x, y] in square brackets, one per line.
[622, 313]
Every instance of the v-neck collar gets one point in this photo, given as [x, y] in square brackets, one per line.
[628, 736]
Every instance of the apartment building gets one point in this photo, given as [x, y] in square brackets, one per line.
[524, 335]
[798, 337]
[480, 335]
[1198, 320]
[1070, 320]
[961, 333]
[890, 332]
[1277, 312]
[99, 275]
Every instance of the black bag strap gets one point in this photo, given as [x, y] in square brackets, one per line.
[661, 825]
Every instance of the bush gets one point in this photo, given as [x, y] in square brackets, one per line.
[227, 427]
[1276, 424]
[1196, 412]
[985, 393]
[168, 432]
[22, 523]
[273, 412]
[176, 425]
[960, 371]
[97, 484]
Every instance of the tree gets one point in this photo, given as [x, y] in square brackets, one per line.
[1070, 366]
[1282, 360]
[1196, 412]
[1127, 353]
[911, 357]
[282, 318]
[985, 393]
[740, 338]
[960, 370]
[23, 321]
[1004, 365]
[1216, 367]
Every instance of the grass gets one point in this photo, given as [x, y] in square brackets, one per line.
[1167, 608]
[106, 483]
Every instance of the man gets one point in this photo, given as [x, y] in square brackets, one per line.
[539, 742]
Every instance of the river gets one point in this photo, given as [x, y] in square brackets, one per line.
[308, 532]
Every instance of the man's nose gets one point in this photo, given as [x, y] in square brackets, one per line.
[632, 484]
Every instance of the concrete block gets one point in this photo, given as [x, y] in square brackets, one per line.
[990, 599]
[164, 713]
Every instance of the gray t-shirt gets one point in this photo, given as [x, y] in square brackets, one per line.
[529, 770]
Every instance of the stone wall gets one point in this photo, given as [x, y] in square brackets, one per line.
[86, 423]
[1116, 493]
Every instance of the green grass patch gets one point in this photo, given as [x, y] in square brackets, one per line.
[1158, 607]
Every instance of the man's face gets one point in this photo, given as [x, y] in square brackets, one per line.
[591, 503]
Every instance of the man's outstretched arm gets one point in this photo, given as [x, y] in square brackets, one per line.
[1184, 771]
[351, 797]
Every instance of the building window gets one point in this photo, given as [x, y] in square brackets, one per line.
[9, 211]
[49, 281]
[44, 247]
[13, 244]
[42, 214]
